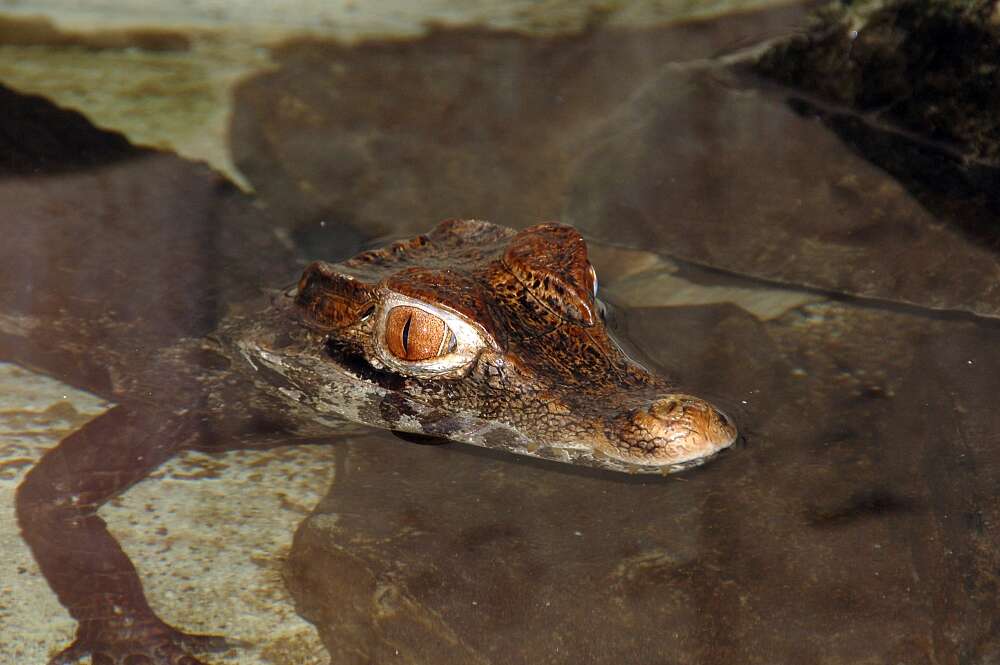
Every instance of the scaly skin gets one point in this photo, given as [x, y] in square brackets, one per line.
[546, 379]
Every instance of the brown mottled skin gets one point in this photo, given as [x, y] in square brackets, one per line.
[473, 332]
[547, 372]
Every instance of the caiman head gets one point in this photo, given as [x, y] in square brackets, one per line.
[478, 333]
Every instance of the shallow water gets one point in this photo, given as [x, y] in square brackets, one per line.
[748, 248]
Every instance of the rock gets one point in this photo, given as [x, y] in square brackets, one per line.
[926, 66]
[911, 86]
[664, 287]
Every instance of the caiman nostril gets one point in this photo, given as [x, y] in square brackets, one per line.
[664, 408]
[681, 428]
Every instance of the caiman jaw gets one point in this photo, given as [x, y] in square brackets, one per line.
[675, 429]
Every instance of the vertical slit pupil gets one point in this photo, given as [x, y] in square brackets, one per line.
[406, 333]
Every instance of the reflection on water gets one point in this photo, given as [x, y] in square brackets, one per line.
[748, 249]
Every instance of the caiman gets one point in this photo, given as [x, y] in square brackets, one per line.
[479, 334]
[472, 332]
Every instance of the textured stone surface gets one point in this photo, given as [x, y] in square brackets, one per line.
[97, 229]
[164, 73]
[35, 412]
[670, 286]
[172, 525]
[927, 66]
[354, 19]
[162, 89]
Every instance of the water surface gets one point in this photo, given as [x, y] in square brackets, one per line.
[748, 248]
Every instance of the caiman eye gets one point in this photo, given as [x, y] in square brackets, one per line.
[413, 334]
[414, 338]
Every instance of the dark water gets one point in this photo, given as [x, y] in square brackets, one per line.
[855, 522]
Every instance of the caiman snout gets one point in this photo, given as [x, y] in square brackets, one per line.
[675, 430]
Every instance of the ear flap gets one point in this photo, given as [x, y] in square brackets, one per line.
[550, 260]
[330, 300]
